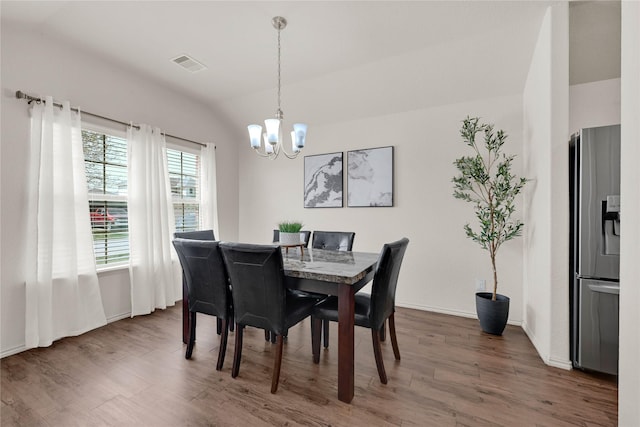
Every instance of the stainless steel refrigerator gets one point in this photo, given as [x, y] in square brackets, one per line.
[595, 248]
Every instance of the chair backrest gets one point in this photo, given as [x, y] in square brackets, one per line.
[196, 235]
[306, 235]
[333, 240]
[257, 284]
[385, 280]
[205, 276]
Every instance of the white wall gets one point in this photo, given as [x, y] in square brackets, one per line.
[629, 374]
[594, 104]
[441, 264]
[42, 66]
[545, 272]
[559, 251]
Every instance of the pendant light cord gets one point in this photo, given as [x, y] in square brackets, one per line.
[279, 74]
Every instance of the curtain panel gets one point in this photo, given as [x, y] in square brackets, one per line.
[209, 189]
[62, 291]
[154, 269]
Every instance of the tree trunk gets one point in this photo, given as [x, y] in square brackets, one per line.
[495, 275]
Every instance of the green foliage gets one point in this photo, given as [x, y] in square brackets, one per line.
[290, 227]
[485, 180]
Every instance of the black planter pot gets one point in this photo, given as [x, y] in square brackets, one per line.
[492, 314]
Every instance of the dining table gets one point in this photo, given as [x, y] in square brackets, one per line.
[330, 272]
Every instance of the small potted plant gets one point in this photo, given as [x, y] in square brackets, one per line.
[290, 232]
[485, 180]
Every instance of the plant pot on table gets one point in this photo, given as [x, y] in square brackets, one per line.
[290, 238]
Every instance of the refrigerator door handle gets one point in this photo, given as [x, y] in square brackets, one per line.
[607, 289]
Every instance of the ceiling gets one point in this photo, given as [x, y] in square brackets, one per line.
[360, 50]
[594, 41]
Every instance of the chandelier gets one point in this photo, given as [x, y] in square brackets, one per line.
[273, 142]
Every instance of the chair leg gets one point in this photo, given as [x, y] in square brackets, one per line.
[237, 353]
[269, 336]
[325, 332]
[383, 332]
[223, 344]
[218, 325]
[377, 352]
[394, 339]
[192, 335]
[316, 326]
[277, 362]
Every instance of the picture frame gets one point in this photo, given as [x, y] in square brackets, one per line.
[323, 181]
[370, 177]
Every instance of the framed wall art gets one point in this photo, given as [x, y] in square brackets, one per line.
[323, 181]
[370, 177]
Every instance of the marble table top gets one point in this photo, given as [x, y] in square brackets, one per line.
[329, 266]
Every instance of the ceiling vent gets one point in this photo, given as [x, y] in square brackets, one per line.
[189, 64]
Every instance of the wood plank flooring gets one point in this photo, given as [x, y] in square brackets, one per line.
[133, 373]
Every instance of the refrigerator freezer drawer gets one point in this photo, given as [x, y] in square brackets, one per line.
[598, 326]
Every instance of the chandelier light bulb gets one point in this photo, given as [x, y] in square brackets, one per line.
[255, 133]
[273, 129]
[300, 130]
[268, 148]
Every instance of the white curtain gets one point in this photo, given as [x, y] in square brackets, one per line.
[209, 190]
[62, 291]
[153, 266]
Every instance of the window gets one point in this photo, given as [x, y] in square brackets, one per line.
[184, 175]
[105, 159]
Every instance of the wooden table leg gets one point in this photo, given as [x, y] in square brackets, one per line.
[185, 313]
[346, 304]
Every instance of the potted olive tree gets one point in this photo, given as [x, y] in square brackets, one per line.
[485, 180]
[290, 232]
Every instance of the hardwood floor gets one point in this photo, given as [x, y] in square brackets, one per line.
[133, 373]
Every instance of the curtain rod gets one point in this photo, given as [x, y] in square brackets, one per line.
[21, 95]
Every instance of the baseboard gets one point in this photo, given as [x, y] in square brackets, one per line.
[12, 351]
[561, 364]
[459, 313]
[118, 317]
[533, 339]
[551, 361]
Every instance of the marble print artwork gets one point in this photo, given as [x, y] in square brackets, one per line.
[370, 177]
[323, 181]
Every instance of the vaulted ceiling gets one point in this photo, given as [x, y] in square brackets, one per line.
[357, 57]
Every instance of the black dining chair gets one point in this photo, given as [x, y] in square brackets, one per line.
[207, 287]
[306, 235]
[260, 298]
[196, 235]
[335, 241]
[371, 311]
